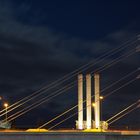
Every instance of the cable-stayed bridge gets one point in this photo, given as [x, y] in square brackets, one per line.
[69, 81]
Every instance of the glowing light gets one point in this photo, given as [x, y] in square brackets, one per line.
[6, 105]
[93, 104]
[37, 130]
[101, 97]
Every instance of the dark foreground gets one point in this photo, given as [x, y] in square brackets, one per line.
[69, 135]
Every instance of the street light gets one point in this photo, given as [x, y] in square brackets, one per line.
[101, 97]
[6, 105]
[93, 104]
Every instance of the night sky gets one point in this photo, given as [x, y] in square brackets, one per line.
[43, 40]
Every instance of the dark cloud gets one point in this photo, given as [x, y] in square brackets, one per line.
[32, 56]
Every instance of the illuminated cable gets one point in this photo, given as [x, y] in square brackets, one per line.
[28, 98]
[124, 115]
[34, 105]
[55, 96]
[122, 111]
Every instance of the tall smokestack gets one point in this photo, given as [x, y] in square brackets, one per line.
[97, 99]
[80, 101]
[88, 100]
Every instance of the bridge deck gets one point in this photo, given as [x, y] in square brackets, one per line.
[68, 135]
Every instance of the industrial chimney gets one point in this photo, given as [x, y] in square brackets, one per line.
[97, 100]
[80, 101]
[88, 101]
[89, 123]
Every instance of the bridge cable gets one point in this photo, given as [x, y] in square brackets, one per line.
[50, 86]
[130, 106]
[109, 65]
[124, 114]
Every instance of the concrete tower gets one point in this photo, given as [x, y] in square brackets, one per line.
[88, 101]
[97, 99]
[80, 101]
